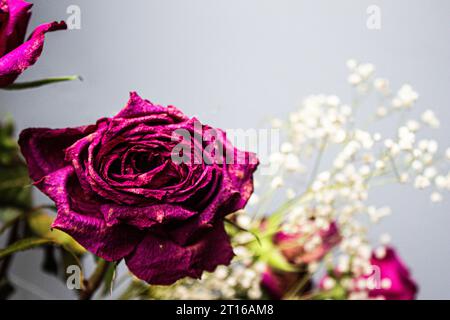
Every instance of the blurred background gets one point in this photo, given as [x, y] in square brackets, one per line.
[233, 64]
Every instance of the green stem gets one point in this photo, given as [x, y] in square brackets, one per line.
[95, 280]
[40, 83]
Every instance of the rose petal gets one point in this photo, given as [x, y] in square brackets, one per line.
[18, 60]
[160, 261]
[138, 107]
[79, 215]
[144, 217]
[239, 173]
[44, 148]
[14, 25]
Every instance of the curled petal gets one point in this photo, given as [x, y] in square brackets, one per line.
[18, 60]
[160, 261]
[79, 215]
[238, 172]
[138, 107]
[14, 18]
[44, 148]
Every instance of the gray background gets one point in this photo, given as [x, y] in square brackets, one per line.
[235, 62]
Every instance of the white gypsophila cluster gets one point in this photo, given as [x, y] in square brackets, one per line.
[317, 195]
[365, 158]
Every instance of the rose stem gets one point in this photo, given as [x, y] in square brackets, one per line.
[95, 280]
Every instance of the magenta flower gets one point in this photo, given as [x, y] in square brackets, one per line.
[120, 194]
[15, 54]
[395, 280]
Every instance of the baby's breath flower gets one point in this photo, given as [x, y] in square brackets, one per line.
[352, 64]
[436, 197]
[277, 182]
[382, 111]
[381, 85]
[405, 98]
[385, 239]
[276, 123]
[421, 182]
[430, 119]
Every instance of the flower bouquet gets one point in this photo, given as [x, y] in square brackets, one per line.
[167, 207]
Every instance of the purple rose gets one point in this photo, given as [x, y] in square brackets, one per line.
[120, 194]
[15, 54]
[396, 282]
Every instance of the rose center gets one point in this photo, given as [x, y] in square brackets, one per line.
[4, 13]
[142, 162]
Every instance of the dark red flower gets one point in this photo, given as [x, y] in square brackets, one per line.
[120, 194]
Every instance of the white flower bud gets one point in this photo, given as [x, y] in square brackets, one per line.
[277, 183]
[381, 85]
[436, 197]
[354, 79]
[276, 123]
[429, 118]
[328, 283]
[352, 64]
[382, 111]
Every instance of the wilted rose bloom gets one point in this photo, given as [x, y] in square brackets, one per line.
[292, 245]
[277, 283]
[16, 55]
[120, 194]
[395, 281]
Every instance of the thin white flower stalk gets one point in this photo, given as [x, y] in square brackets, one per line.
[318, 191]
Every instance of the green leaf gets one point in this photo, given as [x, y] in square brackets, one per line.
[7, 126]
[40, 83]
[253, 232]
[40, 223]
[9, 216]
[24, 244]
[9, 149]
[15, 186]
[277, 260]
[268, 252]
[108, 281]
